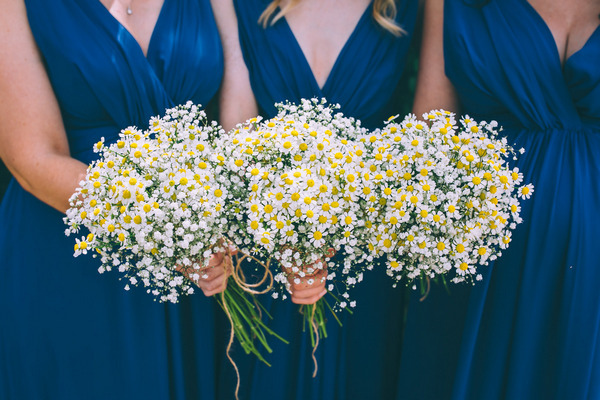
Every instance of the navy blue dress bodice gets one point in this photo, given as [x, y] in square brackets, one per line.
[67, 332]
[362, 80]
[102, 79]
[531, 329]
[359, 360]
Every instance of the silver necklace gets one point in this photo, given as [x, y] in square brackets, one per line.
[129, 10]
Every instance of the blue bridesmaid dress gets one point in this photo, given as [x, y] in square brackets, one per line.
[531, 329]
[360, 360]
[67, 332]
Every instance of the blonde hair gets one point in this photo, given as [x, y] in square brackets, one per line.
[384, 13]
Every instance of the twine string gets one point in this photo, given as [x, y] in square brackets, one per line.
[315, 328]
[231, 336]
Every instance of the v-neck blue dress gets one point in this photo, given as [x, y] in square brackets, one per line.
[67, 332]
[531, 329]
[359, 360]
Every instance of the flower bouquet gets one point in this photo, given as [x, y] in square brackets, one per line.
[301, 206]
[156, 209]
[444, 199]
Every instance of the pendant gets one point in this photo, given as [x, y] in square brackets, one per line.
[129, 11]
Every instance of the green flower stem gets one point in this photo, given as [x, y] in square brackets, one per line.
[334, 314]
[251, 321]
[245, 312]
[425, 284]
[271, 332]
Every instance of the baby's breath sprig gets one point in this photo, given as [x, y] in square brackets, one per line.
[447, 198]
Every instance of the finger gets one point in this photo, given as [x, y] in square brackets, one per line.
[307, 292]
[314, 271]
[304, 286]
[211, 274]
[203, 275]
[308, 300]
[212, 285]
[215, 259]
[307, 280]
[185, 270]
[307, 289]
[209, 293]
[307, 271]
[191, 273]
[319, 274]
[214, 266]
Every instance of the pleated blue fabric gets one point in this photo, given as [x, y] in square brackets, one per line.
[67, 332]
[360, 360]
[531, 329]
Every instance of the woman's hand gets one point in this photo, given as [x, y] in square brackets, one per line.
[212, 279]
[305, 292]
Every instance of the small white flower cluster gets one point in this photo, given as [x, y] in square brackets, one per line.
[302, 184]
[441, 196]
[153, 201]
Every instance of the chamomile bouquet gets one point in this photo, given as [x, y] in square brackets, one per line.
[156, 208]
[444, 197]
[302, 174]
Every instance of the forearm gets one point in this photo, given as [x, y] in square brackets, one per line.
[51, 178]
[236, 103]
[236, 106]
